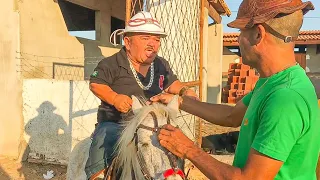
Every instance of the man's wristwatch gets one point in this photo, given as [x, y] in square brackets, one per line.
[183, 90]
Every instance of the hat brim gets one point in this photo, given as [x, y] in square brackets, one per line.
[162, 35]
[243, 23]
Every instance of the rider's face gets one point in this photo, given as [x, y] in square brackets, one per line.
[142, 47]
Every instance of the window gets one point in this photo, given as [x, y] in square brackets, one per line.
[318, 49]
[79, 20]
[117, 24]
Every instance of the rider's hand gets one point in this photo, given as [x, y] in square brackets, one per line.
[190, 93]
[122, 103]
[164, 98]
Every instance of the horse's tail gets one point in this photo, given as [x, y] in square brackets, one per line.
[77, 160]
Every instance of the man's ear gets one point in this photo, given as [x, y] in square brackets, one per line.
[259, 34]
[136, 105]
[126, 41]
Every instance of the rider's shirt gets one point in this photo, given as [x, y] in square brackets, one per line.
[115, 72]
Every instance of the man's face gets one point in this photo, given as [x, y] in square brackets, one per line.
[142, 47]
[247, 47]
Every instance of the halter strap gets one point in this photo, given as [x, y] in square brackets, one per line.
[172, 158]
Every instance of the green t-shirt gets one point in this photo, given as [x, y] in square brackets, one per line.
[282, 122]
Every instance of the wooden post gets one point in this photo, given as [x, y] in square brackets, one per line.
[128, 10]
[202, 3]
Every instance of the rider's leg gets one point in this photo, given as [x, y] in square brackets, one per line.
[101, 154]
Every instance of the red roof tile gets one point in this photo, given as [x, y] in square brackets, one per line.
[304, 36]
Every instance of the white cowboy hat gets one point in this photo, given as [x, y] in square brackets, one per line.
[142, 22]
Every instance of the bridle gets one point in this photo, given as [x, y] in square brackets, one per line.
[175, 170]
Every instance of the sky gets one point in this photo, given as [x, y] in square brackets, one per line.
[311, 19]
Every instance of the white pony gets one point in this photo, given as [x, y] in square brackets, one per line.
[140, 156]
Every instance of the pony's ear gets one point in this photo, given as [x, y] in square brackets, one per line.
[136, 105]
[174, 104]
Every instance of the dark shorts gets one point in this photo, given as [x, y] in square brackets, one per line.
[101, 152]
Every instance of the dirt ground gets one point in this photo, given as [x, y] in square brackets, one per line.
[13, 170]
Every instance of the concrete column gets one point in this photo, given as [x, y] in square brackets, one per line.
[11, 122]
[214, 63]
[105, 24]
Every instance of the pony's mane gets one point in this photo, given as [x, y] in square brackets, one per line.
[127, 154]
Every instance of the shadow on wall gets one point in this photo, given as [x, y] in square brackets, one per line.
[3, 175]
[49, 135]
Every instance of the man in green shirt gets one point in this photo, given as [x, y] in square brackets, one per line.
[280, 126]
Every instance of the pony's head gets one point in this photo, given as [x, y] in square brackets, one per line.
[140, 154]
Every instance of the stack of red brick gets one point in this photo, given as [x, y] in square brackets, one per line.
[241, 80]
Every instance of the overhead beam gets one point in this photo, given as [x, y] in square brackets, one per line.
[213, 12]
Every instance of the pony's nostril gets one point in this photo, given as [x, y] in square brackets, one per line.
[145, 145]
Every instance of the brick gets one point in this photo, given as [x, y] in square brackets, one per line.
[255, 79]
[241, 86]
[232, 93]
[231, 72]
[241, 73]
[242, 79]
[247, 86]
[252, 73]
[243, 67]
[233, 79]
[245, 92]
[253, 85]
[240, 93]
[233, 66]
[231, 100]
[234, 86]
[248, 80]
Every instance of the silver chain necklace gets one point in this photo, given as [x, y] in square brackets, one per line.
[137, 78]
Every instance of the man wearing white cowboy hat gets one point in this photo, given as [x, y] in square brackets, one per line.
[134, 70]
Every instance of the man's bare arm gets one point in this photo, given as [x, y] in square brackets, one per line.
[175, 87]
[219, 114]
[257, 167]
[103, 92]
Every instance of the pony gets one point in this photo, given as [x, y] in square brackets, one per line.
[138, 153]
